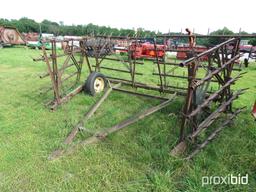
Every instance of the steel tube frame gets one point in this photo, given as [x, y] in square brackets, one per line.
[191, 126]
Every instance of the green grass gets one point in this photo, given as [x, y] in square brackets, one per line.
[134, 159]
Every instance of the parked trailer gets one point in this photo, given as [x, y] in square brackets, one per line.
[10, 36]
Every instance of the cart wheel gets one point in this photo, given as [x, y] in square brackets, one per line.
[95, 83]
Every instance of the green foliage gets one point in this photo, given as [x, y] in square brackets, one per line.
[28, 25]
[212, 41]
[23, 25]
[253, 42]
[224, 31]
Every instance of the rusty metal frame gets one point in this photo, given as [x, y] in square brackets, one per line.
[218, 70]
[55, 71]
[191, 126]
[102, 134]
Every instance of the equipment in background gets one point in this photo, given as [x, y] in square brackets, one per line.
[145, 49]
[10, 36]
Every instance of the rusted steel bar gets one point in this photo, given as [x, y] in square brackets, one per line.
[78, 66]
[69, 76]
[211, 74]
[189, 99]
[57, 153]
[126, 61]
[184, 88]
[167, 63]
[220, 79]
[67, 97]
[140, 94]
[165, 82]
[60, 41]
[68, 53]
[175, 87]
[44, 75]
[185, 51]
[129, 82]
[164, 72]
[209, 51]
[80, 63]
[214, 95]
[55, 72]
[114, 37]
[61, 71]
[130, 55]
[133, 68]
[158, 66]
[88, 114]
[88, 62]
[62, 81]
[39, 59]
[133, 62]
[56, 56]
[236, 50]
[98, 53]
[135, 118]
[148, 87]
[47, 74]
[199, 66]
[183, 77]
[119, 70]
[103, 57]
[214, 134]
[210, 119]
[96, 57]
[173, 50]
[75, 62]
[122, 80]
[51, 74]
[104, 133]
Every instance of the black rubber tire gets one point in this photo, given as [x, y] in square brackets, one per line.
[246, 62]
[89, 83]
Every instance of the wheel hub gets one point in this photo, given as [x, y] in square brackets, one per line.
[99, 84]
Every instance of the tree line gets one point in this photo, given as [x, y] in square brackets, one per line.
[26, 25]
[29, 25]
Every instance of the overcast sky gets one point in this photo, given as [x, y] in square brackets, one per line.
[159, 15]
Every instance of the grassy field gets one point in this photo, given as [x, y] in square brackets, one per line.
[134, 159]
